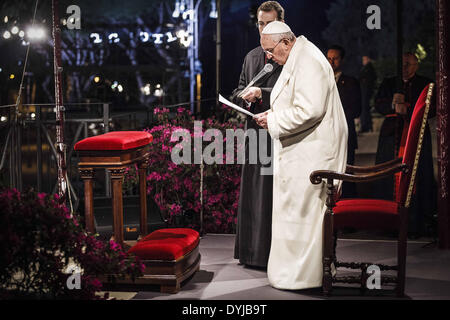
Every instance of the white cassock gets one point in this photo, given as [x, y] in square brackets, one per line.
[309, 131]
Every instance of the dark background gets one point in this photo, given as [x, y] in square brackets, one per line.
[324, 22]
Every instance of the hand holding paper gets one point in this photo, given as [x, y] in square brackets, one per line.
[232, 105]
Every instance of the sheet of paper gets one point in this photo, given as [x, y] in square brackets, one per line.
[232, 105]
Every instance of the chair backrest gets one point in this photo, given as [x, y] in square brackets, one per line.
[414, 145]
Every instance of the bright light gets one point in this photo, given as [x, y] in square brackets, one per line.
[21, 33]
[33, 115]
[176, 12]
[6, 19]
[157, 37]
[170, 37]
[12, 76]
[185, 38]
[158, 91]
[114, 85]
[120, 88]
[3, 119]
[213, 13]
[144, 36]
[36, 33]
[96, 79]
[189, 13]
[14, 30]
[96, 37]
[113, 38]
[6, 34]
[146, 89]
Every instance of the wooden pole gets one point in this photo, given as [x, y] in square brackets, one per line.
[60, 146]
[218, 47]
[443, 120]
[399, 41]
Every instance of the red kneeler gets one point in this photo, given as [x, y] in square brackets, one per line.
[170, 255]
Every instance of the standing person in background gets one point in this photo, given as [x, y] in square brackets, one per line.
[367, 80]
[254, 218]
[397, 105]
[350, 94]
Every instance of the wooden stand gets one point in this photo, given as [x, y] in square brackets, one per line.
[168, 274]
[116, 161]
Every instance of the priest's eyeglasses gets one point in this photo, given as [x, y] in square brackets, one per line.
[269, 52]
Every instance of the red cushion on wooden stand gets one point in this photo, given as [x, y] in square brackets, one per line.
[116, 140]
[166, 244]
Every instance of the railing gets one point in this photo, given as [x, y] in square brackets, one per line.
[27, 141]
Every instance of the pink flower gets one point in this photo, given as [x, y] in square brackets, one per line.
[114, 245]
[154, 176]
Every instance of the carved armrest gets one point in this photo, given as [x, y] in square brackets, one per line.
[376, 168]
[317, 176]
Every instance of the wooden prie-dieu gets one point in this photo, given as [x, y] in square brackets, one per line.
[114, 151]
[170, 256]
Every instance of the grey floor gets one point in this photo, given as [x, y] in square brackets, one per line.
[222, 278]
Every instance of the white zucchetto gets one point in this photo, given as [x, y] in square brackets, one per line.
[276, 27]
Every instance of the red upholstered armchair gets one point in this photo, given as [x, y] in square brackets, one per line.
[373, 213]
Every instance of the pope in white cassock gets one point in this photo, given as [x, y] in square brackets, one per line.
[307, 123]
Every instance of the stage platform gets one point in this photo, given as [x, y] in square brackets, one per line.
[222, 278]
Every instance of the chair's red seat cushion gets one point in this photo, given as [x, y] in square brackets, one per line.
[116, 140]
[366, 214]
[166, 244]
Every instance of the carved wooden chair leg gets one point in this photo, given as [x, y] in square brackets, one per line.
[117, 204]
[334, 247]
[87, 175]
[328, 256]
[142, 167]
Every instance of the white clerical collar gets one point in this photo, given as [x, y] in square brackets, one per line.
[337, 75]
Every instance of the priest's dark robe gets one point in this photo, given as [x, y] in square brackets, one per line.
[254, 220]
[424, 200]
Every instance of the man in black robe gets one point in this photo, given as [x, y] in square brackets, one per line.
[395, 100]
[350, 94]
[367, 80]
[254, 223]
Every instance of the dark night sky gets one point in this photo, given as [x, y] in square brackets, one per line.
[238, 36]
[305, 17]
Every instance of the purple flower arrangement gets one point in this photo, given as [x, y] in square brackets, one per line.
[175, 188]
[39, 238]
